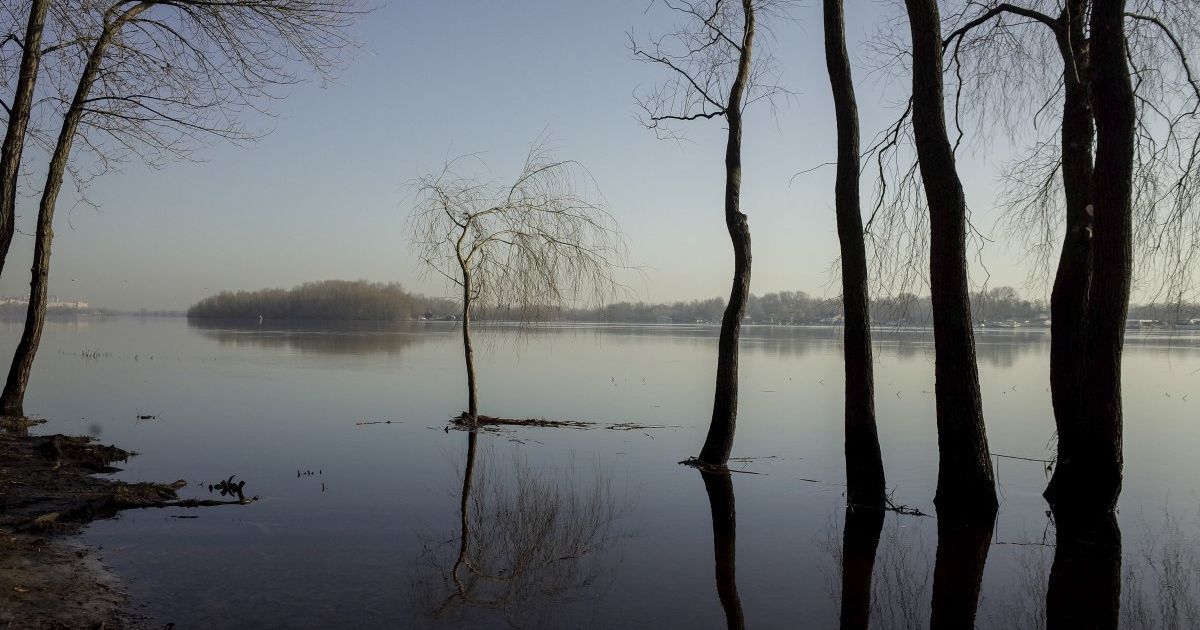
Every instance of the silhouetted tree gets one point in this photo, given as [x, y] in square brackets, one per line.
[543, 241]
[713, 76]
[965, 479]
[152, 77]
[865, 484]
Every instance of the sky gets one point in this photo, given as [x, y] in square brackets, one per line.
[326, 194]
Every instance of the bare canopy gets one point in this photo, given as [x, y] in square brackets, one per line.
[542, 241]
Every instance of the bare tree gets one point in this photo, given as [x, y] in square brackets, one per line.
[149, 78]
[965, 481]
[709, 58]
[542, 241]
[1013, 64]
[865, 483]
[18, 112]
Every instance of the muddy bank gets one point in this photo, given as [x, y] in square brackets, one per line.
[48, 490]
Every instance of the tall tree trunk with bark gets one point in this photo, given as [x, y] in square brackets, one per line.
[719, 441]
[1087, 477]
[12, 401]
[865, 483]
[18, 123]
[719, 486]
[1068, 301]
[965, 481]
[860, 540]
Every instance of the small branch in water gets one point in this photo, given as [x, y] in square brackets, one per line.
[466, 422]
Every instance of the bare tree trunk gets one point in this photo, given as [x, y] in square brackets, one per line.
[860, 540]
[965, 481]
[719, 441]
[719, 487]
[18, 123]
[13, 399]
[1084, 590]
[865, 483]
[468, 349]
[962, 552]
[1068, 301]
[1087, 476]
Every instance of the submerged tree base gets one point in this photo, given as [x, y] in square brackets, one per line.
[48, 488]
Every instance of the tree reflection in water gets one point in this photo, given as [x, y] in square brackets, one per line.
[528, 541]
[860, 540]
[962, 551]
[719, 487]
[1084, 588]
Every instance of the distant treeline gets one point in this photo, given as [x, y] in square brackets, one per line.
[362, 300]
[797, 307]
[329, 299]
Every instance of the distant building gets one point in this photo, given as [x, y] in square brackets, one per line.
[663, 319]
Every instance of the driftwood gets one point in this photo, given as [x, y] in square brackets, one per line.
[466, 422]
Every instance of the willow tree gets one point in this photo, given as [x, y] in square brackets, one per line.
[544, 240]
[709, 58]
[965, 481]
[149, 79]
[865, 484]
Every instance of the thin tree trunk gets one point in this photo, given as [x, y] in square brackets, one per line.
[1068, 301]
[719, 441]
[468, 349]
[18, 123]
[965, 481]
[13, 399]
[1087, 476]
[860, 540]
[962, 552]
[719, 486]
[1084, 590]
[865, 483]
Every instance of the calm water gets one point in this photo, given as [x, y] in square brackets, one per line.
[582, 528]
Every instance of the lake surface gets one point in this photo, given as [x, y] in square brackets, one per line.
[569, 528]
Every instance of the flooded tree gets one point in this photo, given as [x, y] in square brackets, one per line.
[149, 79]
[18, 108]
[714, 74]
[1032, 66]
[965, 481]
[860, 540]
[544, 240]
[865, 483]
[1084, 588]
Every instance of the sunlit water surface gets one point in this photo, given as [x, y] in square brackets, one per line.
[580, 528]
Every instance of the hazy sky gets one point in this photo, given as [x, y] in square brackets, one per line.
[323, 196]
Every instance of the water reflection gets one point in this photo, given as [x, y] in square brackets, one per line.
[719, 487]
[860, 540]
[962, 551]
[527, 542]
[1085, 580]
[336, 338]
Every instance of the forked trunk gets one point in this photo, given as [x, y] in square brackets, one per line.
[865, 483]
[965, 481]
[18, 123]
[1087, 477]
[719, 441]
